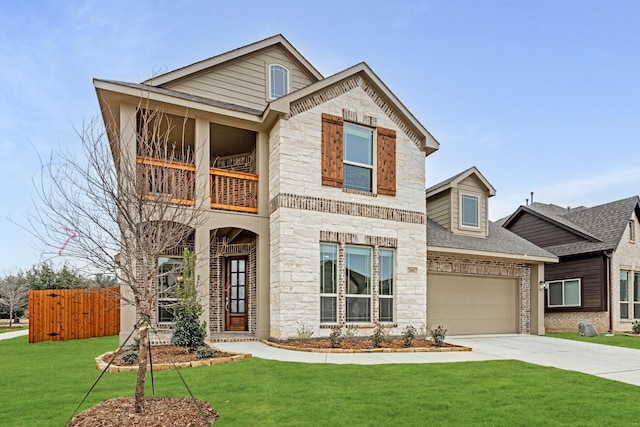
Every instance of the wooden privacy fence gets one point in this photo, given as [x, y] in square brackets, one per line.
[70, 314]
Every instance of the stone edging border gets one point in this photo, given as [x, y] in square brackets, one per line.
[102, 365]
[372, 350]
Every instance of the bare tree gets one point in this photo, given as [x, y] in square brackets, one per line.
[127, 201]
[14, 294]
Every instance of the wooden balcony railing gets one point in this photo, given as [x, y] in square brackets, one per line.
[167, 181]
[236, 191]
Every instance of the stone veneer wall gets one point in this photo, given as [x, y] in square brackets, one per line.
[568, 322]
[437, 263]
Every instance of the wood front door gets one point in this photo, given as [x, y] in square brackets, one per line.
[236, 294]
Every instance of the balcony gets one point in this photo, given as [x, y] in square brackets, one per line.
[174, 182]
[166, 181]
[235, 191]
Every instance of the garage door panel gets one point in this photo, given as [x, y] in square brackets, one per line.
[473, 305]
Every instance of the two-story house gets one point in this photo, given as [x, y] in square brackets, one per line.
[598, 277]
[315, 187]
[481, 278]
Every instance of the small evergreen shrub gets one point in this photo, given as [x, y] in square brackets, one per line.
[336, 336]
[304, 332]
[130, 357]
[204, 353]
[188, 331]
[378, 335]
[438, 335]
[636, 327]
[408, 335]
[351, 333]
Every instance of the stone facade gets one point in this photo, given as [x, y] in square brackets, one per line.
[438, 263]
[568, 322]
[304, 214]
[625, 258]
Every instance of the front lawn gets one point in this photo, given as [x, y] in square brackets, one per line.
[44, 382]
[616, 340]
[12, 329]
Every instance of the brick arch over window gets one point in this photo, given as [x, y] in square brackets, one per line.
[333, 155]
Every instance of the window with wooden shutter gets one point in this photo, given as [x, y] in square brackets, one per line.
[386, 161]
[332, 150]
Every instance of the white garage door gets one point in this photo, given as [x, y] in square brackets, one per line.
[467, 305]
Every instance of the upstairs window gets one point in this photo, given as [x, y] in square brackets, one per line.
[469, 211]
[278, 81]
[358, 158]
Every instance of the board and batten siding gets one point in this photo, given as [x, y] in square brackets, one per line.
[540, 232]
[439, 209]
[470, 186]
[591, 271]
[243, 81]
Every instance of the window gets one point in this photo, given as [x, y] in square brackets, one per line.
[358, 158]
[278, 81]
[328, 283]
[632, 231]
[358, 285]
[636, 295]
[564, 293]
[624, 294]
[469, 211]
[169, 270]
[385, 285]
[353, 159]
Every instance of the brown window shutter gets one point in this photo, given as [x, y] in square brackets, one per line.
[332, 150]
[386, 161]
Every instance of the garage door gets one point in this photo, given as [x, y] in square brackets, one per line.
[473, 305]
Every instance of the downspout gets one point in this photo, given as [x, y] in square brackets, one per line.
[609, 280]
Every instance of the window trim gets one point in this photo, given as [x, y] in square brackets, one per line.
[477, 198]
[393, 285]
[270, 80]
[374, 157]
[564, 281]
[335, 278]
[160, 277]
[368, 296]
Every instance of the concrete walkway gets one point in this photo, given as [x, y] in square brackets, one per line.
[9, 335]
[615, 363]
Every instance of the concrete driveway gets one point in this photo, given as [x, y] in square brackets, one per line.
[614, 363]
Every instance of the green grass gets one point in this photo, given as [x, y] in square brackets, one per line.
[43, 383]
[616, 340]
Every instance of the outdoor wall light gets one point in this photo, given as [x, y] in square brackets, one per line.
[544, 285]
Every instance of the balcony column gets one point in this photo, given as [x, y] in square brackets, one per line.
[203, 201]
[127, 142]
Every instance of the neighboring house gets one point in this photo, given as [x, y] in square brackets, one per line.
[481, 278]
[598, 276]
[330, 225]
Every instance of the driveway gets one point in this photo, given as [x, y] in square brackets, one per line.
[614, 363]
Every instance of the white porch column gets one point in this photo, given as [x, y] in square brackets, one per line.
[203, 201]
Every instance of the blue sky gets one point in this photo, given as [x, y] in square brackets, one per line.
[541, 96]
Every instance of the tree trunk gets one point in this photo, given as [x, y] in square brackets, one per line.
[10, 315]
[143, 352]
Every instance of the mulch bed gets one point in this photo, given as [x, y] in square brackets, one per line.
[362, 344]
[157, 412]
[164, 354]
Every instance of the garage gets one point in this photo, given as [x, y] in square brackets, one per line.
[467, 305]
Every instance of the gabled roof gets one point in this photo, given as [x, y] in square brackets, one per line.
[499, 241]
[456, 179]
[283, 104]
[601, 227]
[232, 55]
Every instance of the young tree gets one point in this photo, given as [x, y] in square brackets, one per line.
[14, 294]
[188, 331]
[131, 198]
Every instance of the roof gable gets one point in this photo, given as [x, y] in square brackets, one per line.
[235, 54]
[455, 180]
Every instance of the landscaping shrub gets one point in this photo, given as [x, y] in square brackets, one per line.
[438, 335]
[636, 327]
[188, 331]
[304, 332]
[204, 353]
[378, 336]
[408, 334]
[130, 357]
[336, 336]
[351, 333]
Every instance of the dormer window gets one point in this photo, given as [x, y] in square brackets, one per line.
[278, 81]
[469, 211]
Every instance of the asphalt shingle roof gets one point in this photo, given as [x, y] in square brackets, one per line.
[500, 240]
[606, 222]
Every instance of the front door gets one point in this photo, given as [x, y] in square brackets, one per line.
[236, 294]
